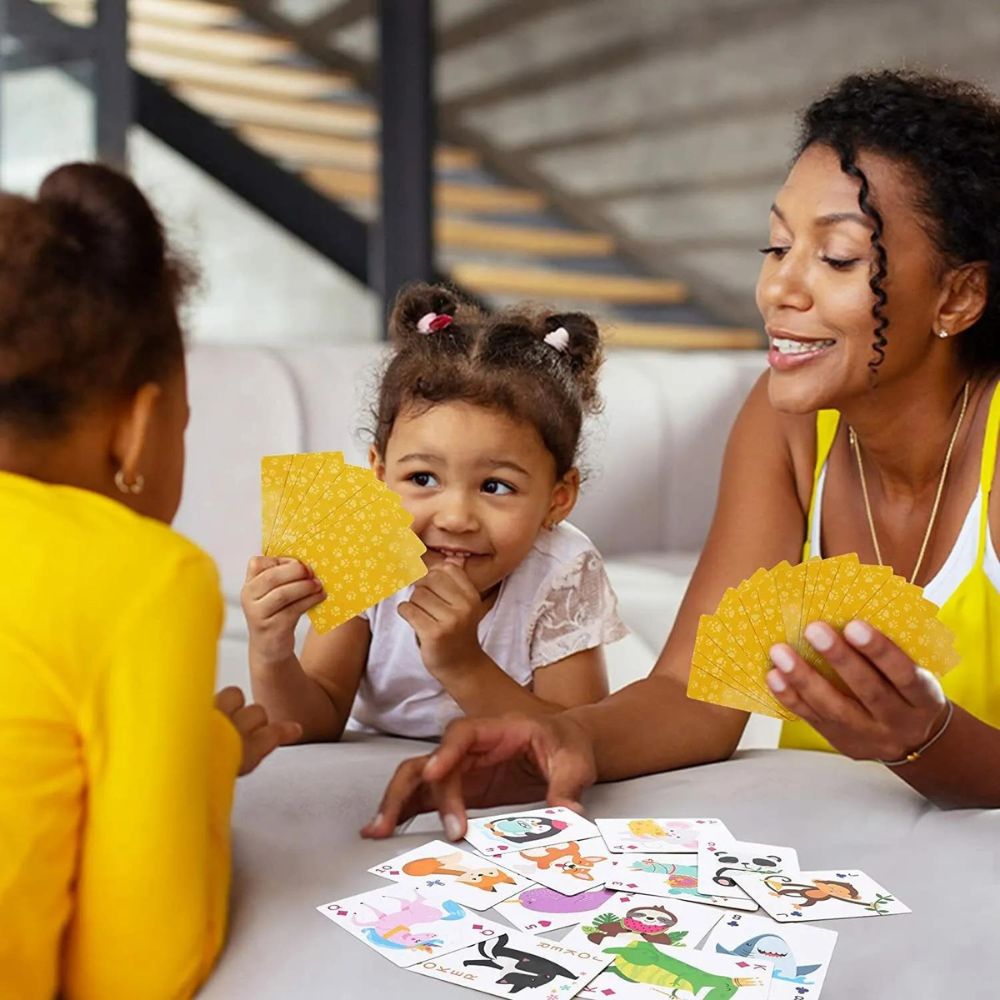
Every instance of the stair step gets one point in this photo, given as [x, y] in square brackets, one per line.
[471, 234]
[679, 337]
[316, 149]
[327, 117]
[225, 45]
[266, 78]
[451, 196]
[494, 279]
[195, 13]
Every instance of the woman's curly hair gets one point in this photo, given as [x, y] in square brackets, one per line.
[946, 133]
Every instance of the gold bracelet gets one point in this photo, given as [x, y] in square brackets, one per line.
[917, 754]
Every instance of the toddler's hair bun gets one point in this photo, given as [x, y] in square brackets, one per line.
[416, 304]
[583, 349]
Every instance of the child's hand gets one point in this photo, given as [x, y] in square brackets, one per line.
[258, 736]
[277, 592]
[445, 610]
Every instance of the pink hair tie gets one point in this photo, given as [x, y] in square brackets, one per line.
[432, 322]
[559, 339]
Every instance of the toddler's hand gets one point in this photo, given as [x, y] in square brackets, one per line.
[445, 610]
[277, 592]
[258, 736]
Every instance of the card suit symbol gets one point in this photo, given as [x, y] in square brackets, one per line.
[624, 899]
[796, 913]
[544, 923]
[395, 871]
[743, 965]
[841, 874]
[632, 885]
[502, 847]
[733, 923]
[608, 992]
[633, 847]
[802, 990]
[477, 927]
[341, 913]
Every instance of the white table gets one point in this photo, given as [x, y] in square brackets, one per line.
[296, 846]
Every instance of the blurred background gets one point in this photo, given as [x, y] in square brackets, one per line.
[618, 155]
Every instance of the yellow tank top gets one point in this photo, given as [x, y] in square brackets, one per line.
[972, 611]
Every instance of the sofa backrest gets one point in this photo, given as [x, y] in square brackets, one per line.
[654, 453]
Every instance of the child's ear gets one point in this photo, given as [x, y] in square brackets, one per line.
[376, 464]
[564, 495]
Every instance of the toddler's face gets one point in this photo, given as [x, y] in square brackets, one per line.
[479, 485]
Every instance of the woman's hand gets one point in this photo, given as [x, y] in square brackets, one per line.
[275, 595]
[897, 706]
[490, 762]
[258, 736]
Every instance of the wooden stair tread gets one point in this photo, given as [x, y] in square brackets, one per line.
[473, 234]
[208, 43]
[262, 78]
[196, 13]
[671, 336]
[308, 149]
[453, 196]
[487, 279]
[328, 117]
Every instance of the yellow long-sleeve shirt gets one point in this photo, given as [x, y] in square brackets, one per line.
[116, 773]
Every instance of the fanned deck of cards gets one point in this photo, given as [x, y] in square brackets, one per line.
[717, 921]
[342, 522]
[731, 654]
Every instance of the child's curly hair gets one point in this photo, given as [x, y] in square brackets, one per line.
[501, 361]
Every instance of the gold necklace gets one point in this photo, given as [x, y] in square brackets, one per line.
[853, 438]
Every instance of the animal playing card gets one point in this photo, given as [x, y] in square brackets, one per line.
[800, 955]
[408, 925]
[645, 971]
[497, 836]
[568, 868]
[629, 917]
[720, 858]
[512, 962]
[467, 878]
[658, 836]
[670, 875]
[794, 896]
[540, 909]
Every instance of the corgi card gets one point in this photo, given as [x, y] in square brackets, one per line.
[645, 971]
[497, 836]
[569, 868]
[629, 917]
[720, 859]
[800, 955]
[540, 909]
[795, 896]
[671, 875]
[512, 962]
[408, 925]
[658, 836]
[467, 878]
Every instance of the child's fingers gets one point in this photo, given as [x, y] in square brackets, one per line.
[277, 600]
[262, 740]
[229, 699]
[284, 571]
[249, 718]
[416, 613]
[258, 564]
[456, 582]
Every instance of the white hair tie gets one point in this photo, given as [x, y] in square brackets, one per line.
[559, 339]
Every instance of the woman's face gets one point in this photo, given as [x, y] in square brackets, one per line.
[813, 291]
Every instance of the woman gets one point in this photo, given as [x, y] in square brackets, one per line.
[116, 773]
[874, 432]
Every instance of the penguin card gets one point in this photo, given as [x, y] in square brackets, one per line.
[796, 896]
[800, 955]
[720, 859]
[569, 868]
[642, 970]
[467, 878]
[641, 835]
[497, 836]
[510, 962]
[671, 875]
[629, 917]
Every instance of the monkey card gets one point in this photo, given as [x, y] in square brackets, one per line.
[671, 875]
[720, 858]
[795, 896]
[800, 955]
[497, 836]
[540, 909]
[569, 868]
[510, 962]
[658, 836]
[467, 878]
[629, 917]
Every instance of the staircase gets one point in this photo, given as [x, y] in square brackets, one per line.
[316, 122]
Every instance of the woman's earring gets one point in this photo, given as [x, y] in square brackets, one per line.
[124, 487]
[943, 333]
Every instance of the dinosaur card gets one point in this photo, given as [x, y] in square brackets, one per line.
[641, 970]
[794, 896]
[468, 878]
[569, 868]
[629, 917]
[658, 836]
[408, 925]
[540, 909]
[800, 955]
[512, 962]
[671, 875]
[720, 858]
[497, 836]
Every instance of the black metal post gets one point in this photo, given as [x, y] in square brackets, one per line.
[113, 96]
[404, 245]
